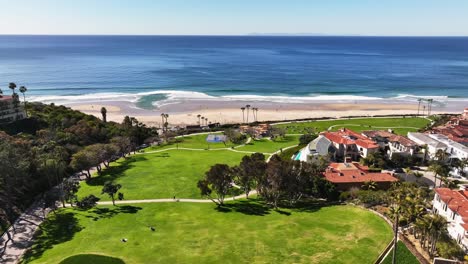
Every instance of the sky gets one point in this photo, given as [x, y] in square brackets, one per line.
[235, 17]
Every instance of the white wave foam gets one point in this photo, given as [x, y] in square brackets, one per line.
[174, 96]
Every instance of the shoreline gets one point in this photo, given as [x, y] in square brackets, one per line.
[225, 112]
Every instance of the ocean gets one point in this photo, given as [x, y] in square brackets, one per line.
[151, 69]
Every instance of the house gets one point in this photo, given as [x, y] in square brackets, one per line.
[425, 140]
[455, 149]
[8, 111]
[317, 148]
[259, 131]
[348, 143]
[392, 143]
[348, 175]
[455, 129]
[453, 205]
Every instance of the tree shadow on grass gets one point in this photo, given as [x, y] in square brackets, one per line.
[116, 171]
[308, 205]
[91, 258]
[57, 229]
[250, 207]
[105, 213]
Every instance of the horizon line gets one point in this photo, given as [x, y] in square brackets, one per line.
[245, 35]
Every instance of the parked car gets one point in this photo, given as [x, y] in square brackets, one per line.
[398, 170]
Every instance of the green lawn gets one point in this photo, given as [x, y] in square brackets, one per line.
[359, 125]
[160, 175]
[403, 256]
[194, 141]
[243, 232]
[270, 146]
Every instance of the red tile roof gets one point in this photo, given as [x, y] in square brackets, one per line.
[355, 173]
[5, 97]
[456, 200]
[349, 137]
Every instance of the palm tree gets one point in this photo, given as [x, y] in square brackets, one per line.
[370, 185]
[203, 119]
[1, 93]
[104, 114]
[395, 212]
[198, 116]
[441, 155]
[206, 121]
[243, 117]
[248, 107]
[418, 175]
[438, 170]
[408, 171]
[424, 110]
[162, 121]
[429, 107]
[419, 104]
[23, 90]
[12, 86]
[256, 113]
[166, 124]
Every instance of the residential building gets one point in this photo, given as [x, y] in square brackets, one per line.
[425, 140]
[352, 174]
[455, 149]
[259, 131]
[453, 205]
[348, 143]
[455, 129]
[393, 144]
[319, 147]
[8, 111]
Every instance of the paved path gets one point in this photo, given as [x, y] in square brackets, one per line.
[22, 233]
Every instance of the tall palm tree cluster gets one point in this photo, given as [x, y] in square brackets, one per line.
[203, 121]
[15, 96]
[245, 118]
[427, 107]
[408, 205]
[164, 123]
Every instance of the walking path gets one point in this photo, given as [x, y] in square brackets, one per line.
[22, 233]
[331, 127]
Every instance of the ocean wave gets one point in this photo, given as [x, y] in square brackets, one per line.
[174, 96]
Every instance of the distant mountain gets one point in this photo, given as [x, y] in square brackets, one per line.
[293, 34]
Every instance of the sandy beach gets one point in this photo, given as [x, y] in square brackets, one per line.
[185, 112]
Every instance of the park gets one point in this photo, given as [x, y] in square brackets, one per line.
[152, 225]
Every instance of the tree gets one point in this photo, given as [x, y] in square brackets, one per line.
[243, 116]
[23, 90]
[269, 186]
[111, 189]
[198, 116]
[87, 202]
[12, 86]
[441, 155]
[249, 170]
[104, 114]
[370, 185]
[438, 169]
[218, 180]
[306, 139]
[83, 160]
[69, 189]
[247, 107]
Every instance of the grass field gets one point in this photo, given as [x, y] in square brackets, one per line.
[270, 146]
[403, 256]
[409, 124]
[160, 175]
[194, 141]
[244, 232]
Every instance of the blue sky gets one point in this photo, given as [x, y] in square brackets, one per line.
[235, 17]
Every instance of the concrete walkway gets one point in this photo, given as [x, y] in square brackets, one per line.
[22, 234]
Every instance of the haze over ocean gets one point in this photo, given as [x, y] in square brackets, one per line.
[151, 68]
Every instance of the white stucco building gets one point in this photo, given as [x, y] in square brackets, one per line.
[8, 111]
[453, 205]
[319, 147]
[424, 139]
